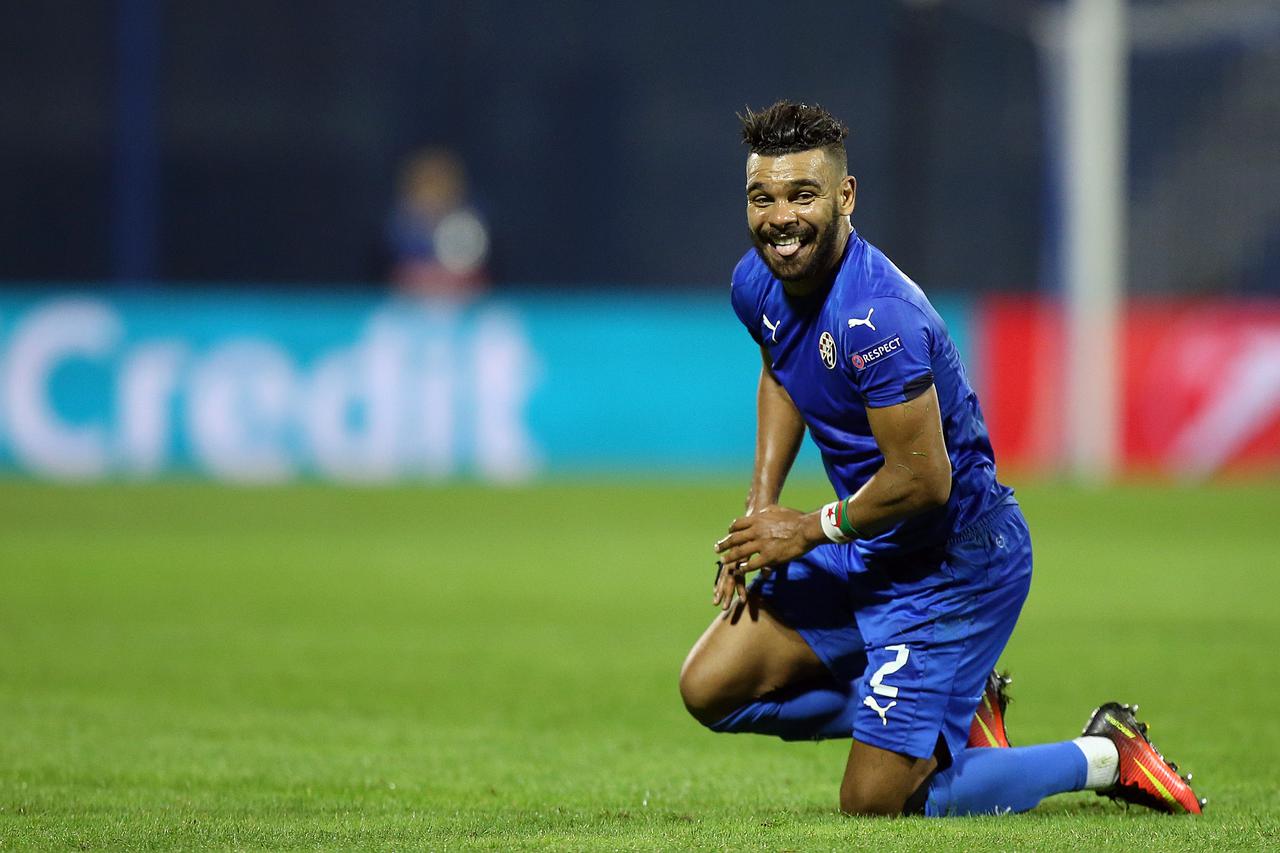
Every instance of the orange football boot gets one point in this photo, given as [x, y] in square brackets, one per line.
[1145, 778]
[987, 728]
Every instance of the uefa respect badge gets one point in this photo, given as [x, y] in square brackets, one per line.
[876, 352]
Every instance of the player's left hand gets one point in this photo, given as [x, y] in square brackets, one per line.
[770, 537]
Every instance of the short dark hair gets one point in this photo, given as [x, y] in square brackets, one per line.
[788, 127]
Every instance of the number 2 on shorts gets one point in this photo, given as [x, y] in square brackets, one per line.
[877, 679]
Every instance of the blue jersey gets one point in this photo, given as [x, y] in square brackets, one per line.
[871, 340]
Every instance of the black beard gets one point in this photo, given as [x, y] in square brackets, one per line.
[821, 259]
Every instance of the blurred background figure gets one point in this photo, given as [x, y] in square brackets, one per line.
[436, 242]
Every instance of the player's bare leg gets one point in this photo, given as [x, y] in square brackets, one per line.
[746, 652]
[880, 782]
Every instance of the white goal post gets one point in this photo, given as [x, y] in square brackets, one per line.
[1094, 57]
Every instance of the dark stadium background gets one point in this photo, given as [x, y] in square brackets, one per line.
[601, 137]
[263, 141]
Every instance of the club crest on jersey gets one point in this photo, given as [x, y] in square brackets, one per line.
[827, 349]
[876, 352]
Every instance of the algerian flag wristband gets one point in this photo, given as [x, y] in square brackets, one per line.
[835, 522]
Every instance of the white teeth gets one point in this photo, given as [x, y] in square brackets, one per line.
[786, 241]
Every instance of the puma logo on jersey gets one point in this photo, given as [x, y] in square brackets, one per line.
[871, 703]
[867, 322]
[772, 327]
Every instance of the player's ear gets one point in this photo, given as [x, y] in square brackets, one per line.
[848, 195]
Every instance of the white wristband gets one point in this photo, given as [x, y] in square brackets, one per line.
[830, 523]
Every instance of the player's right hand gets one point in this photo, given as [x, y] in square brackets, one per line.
[729, 582]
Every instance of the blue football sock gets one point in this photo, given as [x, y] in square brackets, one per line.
[998, 781]
[800, 713]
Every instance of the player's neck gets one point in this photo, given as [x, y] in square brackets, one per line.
[803, 287]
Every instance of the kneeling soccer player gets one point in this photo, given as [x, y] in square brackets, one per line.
[881, 615]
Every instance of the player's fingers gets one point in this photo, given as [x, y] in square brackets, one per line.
[730, 557]
[724, 590]
[737, 588]
[740, 552]
[731, 540]
[726, 600]
[740, 523]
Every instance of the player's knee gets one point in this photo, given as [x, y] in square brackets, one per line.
[704, 690]
[858, 797]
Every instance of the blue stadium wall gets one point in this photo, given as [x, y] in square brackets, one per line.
[268, 388]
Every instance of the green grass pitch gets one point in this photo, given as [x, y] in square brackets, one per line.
[191, 666]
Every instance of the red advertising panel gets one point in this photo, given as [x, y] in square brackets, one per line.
[1019, 342]
[1200, 384]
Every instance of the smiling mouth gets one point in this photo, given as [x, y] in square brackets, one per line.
[786, 246]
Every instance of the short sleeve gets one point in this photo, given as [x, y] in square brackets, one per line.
[888, 346]
[746, 300]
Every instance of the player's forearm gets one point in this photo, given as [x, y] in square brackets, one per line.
[779, 431]
[915, 476]
[899, 490]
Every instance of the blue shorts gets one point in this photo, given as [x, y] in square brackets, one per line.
[914, 636]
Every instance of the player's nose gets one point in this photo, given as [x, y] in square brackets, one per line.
[781, 214]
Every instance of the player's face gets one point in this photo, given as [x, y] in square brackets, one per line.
[797, 210]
